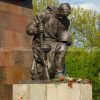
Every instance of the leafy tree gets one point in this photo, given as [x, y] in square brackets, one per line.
[83, 58]
[39, 5]
[84, 27]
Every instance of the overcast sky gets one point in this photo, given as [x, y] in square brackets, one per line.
[87, 4]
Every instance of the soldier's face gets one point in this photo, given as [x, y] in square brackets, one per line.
[66, 10]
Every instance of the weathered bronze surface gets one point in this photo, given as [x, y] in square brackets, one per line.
[50, 42]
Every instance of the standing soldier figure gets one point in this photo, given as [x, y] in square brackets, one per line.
[50, 41]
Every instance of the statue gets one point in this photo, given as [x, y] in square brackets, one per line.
[50, 42]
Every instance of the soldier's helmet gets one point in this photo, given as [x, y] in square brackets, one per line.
[65, 9]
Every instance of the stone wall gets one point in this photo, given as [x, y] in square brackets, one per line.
[15, 45]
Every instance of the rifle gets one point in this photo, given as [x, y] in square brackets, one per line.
[43, 58]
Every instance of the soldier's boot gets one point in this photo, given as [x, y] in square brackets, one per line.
[36, 70]
[59, 74]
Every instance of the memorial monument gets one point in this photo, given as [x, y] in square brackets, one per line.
[50, 43]
[51, 39]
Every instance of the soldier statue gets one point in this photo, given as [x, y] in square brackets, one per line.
[51, 39]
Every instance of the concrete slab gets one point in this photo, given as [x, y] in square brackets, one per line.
[38, 92]
[21, 92]
[52, 91]
[86, 92]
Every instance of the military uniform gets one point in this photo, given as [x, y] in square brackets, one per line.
[55, 37]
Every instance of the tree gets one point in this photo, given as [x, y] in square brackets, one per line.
[84, 28]
[83, 58]
[39, 5]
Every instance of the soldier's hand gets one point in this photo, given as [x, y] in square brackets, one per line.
[41, 29]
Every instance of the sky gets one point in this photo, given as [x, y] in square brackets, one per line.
[86, 4]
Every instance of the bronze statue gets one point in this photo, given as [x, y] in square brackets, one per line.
[50, 42]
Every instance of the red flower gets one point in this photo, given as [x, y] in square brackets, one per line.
[70, 84]
[62, 78]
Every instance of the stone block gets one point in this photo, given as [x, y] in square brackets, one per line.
[5, 92]
[4, 6]
[12, 39]
[15, 58]
[5, 19]
[63, 92]
[12, 74]
[86, 91]
[37, 92]
[20, 24]
[2, 74]
[12, 21]
[21, 91]
[59, 91]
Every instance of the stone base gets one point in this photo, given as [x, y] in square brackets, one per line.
[5, 92]
[52, 91]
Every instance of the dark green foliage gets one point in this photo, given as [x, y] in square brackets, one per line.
[84, 61]
[86, 65]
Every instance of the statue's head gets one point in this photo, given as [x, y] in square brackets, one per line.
[65, 9]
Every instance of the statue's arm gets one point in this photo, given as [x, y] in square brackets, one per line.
[32, 27]
[36, 24]
[41, 17]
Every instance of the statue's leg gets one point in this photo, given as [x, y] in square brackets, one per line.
[36, 68]
[33, 70]
[61, 51]
[50, 59]
[55, 59]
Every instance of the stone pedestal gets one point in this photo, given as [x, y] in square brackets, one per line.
[56, 91]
